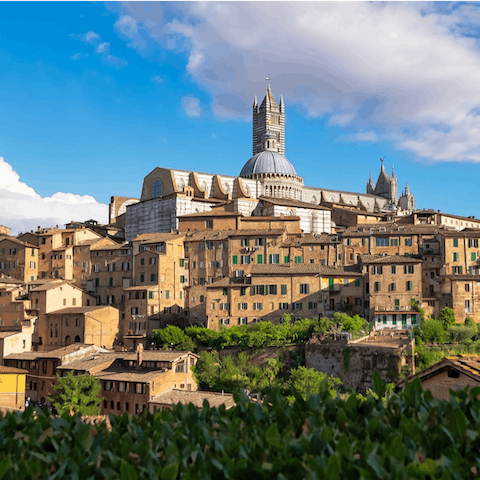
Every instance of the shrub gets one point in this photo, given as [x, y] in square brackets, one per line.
[447, 317]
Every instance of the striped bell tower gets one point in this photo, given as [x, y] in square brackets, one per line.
[270, 118]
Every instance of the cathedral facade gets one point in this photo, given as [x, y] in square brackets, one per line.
[268, 185]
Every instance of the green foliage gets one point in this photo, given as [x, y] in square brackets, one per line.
[403, 436]
[349, 324]
[324, 325]
[415, 306]
[461, 333]
[447, 317]
[431, 331]
[76, 393]
[470, 322]
[305, 381]
[173, 337]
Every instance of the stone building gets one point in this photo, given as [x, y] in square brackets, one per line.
[94, 325]
[12, 387]
[18, 259]
[268, 185]
[391, 282]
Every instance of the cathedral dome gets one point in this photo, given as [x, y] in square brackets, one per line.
[268, 162]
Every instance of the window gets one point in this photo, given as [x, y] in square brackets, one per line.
[394, 319]
[225, 321]
[225, 291]
[297, 306]
[244, 242]
[408, 269]
[151, 295]
[152, 261]
[235, 260]
[349, 241]
[224, 306]
[245, 259]
[182, 262]
[455, 256]
[286, 259]
[381, 241]
[377, 286]
[394, 269]
[167, 294]
[283, 306]
[363, 241]
[357, 282]
[210, 245]
[274, 258]
[298, 259]
[414, 319]
[161, 247]
[153, 277]
[394, 242]
[473, 256]
[272, 289]
[258, 306]
[377, 270]
[202, 298]
[472, 242]
[142, 261]
[467, 306]
[243, 291]
[209, 224]
[455, 242]
[243, 306]
[305, 288]
[408, 242]
[409, 285]
[111, 267]
[312, 305]
[392, 287]
[242, 321]
[283, 289]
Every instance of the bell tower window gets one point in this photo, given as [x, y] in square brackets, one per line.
[157, 189]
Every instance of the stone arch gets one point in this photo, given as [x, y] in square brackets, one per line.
[68, 340]
[77, 339]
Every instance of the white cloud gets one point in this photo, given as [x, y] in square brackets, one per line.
[191, 106]
[359, 137]
[89, 36]
[104, 47]
[402, 67]
[79, 56]
[127, 25]
[157, 79]
[116, 61]
[23, 209]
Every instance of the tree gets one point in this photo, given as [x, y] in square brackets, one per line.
[352, 324]
[431, 331]
[307, 381]
[76, 393]
[470, 322]
[173, 336]
[447, 317]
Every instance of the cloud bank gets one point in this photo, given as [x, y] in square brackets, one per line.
[403, 72]
[22, 209]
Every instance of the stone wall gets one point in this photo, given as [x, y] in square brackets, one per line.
[354, 363]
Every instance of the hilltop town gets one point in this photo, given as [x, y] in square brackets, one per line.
[214, 251]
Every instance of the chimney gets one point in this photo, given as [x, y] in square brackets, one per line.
[139, 356]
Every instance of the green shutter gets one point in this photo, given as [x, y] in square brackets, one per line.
[310, 305]
[474, 256]
[363, 241]
[270, 258]
[259, 259]
[285, 259]
[167, 294]
[357, 282]
[235, 260]
[284, 289]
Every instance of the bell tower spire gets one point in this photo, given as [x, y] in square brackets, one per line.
[269, 117]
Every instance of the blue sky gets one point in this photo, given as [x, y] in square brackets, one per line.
[96, 95]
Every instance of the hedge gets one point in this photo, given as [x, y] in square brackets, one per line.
[405, 436]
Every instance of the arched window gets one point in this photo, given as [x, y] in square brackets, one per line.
[77, 339]
[67, 340]
[157, 189]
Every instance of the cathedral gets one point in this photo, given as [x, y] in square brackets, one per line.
[268, 185]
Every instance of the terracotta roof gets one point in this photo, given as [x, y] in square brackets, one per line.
[469, 365]
[17, 241]
[8, 334]
[305, 268]
[58, 353]
[5, 369]
[124, 375]
[90, 362]
[158, 237]
[369, 259]
[79, 310]
[464, 277]
[51, 285]
[175, 396]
